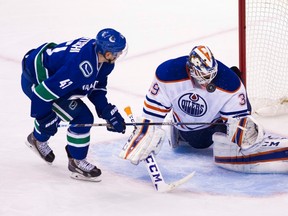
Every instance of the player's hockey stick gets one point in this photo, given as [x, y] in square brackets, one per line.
[153, 169]
[143, 123]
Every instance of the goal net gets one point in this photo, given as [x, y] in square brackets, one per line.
[263, 45]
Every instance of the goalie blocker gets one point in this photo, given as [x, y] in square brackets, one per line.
[247, 148]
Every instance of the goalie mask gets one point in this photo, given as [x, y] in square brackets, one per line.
[202, 65]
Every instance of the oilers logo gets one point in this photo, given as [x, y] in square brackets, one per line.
[192, 104]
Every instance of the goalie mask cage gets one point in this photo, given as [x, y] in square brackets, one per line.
[263, 54]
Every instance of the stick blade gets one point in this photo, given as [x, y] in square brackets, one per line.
[173, 185]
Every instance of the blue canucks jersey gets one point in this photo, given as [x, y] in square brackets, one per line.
[71, 70]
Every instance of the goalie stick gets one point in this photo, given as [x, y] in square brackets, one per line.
[153, 169]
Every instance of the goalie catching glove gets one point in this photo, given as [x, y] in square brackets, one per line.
[144, 140]
[245, 132]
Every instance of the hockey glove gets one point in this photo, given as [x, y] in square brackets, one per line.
[245, 132]
[143, 141]
[114, 118]
[49, 124]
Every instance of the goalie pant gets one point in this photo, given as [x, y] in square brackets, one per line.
[268, 156]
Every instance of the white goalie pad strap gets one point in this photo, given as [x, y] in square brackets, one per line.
[245, 132]
[142, 142]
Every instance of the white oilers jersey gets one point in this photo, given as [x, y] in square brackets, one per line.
[172, 90]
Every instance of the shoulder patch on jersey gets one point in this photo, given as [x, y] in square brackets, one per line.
[226, 79]
[86, 68]
[172, 70]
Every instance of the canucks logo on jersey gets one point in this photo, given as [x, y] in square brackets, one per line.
[192, 104]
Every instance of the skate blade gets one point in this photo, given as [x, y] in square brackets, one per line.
[78, 176]
[36, 151]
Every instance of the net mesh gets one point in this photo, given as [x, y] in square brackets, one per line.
[267, 51]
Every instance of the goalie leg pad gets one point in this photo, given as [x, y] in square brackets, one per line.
[173, 134]
[143, 141]
[270, 155]
[173, 137]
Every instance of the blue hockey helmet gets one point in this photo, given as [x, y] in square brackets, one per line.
[202, 65]
[110, 40]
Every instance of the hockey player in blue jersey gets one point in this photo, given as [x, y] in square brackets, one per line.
[55, 77]
[201, 90]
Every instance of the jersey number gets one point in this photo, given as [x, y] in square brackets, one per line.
[154, 89]
[242, 99]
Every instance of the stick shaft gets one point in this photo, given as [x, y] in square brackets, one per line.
[150, 162]
[143, 123]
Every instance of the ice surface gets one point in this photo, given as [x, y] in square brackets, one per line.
[156, 30]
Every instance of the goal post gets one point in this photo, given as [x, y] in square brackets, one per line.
[263, 54]
[242, 39]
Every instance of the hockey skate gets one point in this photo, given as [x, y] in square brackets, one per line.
[83, 170]
[40, 148]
